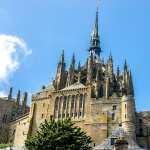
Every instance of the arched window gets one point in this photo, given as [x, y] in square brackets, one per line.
[80, 105]
[140, 121]
[72, 105]
[64, 106]
[125, 106]
[84, 98]
[60, 108]
[56, 107]
[93, 92]
[64, 103]
[72, 102]
[101, 92]
[67, 107]
[141, 131]
[81, 101]
[56, 103]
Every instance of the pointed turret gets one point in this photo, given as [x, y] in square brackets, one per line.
[131, 87]
[70, 78]
[18, 101]
[127, 80]
[79, 66]
[118, 72]
[125, 66]
[125, 74]
[95, 40]
[10, 93]
[110, 57]
[110, 66]
[73, 62]
[60, 78]
[62, 58]
[24, 102]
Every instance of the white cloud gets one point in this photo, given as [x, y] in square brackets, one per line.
[3, 94]
[12, 51]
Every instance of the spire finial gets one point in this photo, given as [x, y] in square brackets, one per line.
[98, 4]
[73, 61]
[95, 40]
[110, 56]
[62, 56]
[79, 66]
[24, 102]
[125, 65]
[10, 93]
[118, 71]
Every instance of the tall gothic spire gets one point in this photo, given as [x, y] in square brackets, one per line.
[131, 87]
[10, 93]
[62, 57]
[125, 65]
[70, 78]
[24, 102]
[59, 81]
[18, 101]
[95, 41]
[73, 61]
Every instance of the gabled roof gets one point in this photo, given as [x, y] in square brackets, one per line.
[74, 86]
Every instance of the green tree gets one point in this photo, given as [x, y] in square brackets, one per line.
[59, 135]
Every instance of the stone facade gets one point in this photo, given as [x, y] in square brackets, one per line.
[18, 130]
[95, 96]
[11, 109]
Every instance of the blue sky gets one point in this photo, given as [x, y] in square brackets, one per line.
[48, 26]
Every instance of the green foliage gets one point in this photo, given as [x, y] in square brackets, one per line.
[59, 135]
[4, 134]
[5, 145]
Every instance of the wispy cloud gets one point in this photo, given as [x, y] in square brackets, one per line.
[12, 51]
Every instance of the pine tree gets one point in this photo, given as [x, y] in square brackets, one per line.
[59, 135]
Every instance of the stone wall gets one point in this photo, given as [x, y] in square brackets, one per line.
[18, 130]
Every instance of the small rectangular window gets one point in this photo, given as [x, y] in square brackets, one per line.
[80, 114]
[114, 107]
[42, 116]
[113, 116]
[125, 116]
[125, 106]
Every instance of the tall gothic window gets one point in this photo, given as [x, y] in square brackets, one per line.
[64, 106]
[81, 101]
[67, 108]
[64, 103]
[72, 105]
[84, 98]
[113, 116]
[101, 92]
[60, 108]
[80, 105]
[56, 103]
[56, 107]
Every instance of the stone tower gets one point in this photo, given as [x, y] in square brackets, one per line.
[128, 104]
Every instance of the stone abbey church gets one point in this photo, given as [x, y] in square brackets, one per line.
[97, 97]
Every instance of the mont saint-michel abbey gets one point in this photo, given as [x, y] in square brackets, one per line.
[96, 96]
